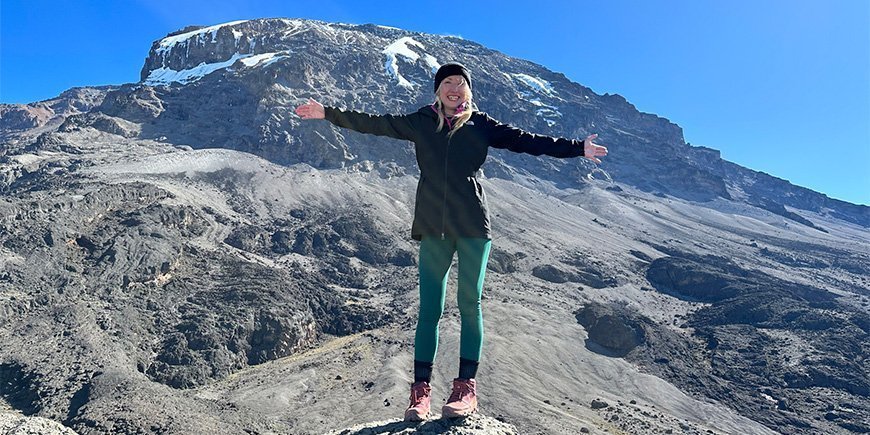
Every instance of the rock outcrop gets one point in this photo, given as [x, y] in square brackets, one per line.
[476, 424]
[17, 424]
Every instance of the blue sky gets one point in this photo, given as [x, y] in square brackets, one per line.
[779, 86]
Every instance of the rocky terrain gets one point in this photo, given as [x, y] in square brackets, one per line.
[184, 255]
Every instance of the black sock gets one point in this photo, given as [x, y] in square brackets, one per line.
[422, 371]
[467, 368]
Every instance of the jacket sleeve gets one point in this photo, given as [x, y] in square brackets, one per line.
[519, 141]
[395, 126]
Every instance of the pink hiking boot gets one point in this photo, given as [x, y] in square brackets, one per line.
[463, 400]
[418, 410]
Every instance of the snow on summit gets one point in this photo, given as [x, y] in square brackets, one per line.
[169, 42]
[402, 48]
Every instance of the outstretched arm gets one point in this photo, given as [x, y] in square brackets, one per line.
[398, 127]
[517, 140]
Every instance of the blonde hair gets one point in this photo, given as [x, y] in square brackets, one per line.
[463, 117]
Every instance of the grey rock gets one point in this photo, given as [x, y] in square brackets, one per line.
[611, 327]
[599, 404]
[553, 274]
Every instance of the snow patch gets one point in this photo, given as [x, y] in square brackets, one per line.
[290, 22]
[548, 115]
[402, 48]
[431, 62]
[254, 60]
[630, 134]
[168, 43]
[165, 76]
[546, 111]
[294, 27]
[539, 85]
[268, 58]
[535, 89]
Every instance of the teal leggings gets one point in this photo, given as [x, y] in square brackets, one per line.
[436, 255]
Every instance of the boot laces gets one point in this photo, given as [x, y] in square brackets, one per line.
[461, 389]
[418, 392]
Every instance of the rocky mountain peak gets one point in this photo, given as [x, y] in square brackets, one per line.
[249, 74]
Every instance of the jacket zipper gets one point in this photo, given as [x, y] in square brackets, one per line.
[444, 204]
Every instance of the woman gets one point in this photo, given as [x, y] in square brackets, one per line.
[451, 216]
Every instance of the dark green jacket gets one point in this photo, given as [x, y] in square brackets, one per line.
[450, 200]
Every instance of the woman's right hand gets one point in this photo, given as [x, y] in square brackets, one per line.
[311, 110]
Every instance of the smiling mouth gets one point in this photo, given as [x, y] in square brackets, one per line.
[453, 98]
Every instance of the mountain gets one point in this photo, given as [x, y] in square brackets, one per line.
[185, 255]
[47, 115]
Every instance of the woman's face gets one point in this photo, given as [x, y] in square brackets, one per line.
[453, 92]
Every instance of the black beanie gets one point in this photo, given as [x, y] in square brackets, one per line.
[452, 69]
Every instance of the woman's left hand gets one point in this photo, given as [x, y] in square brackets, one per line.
[311, 110]
[592, 150]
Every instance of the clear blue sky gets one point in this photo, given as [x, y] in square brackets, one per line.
[780, 86]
